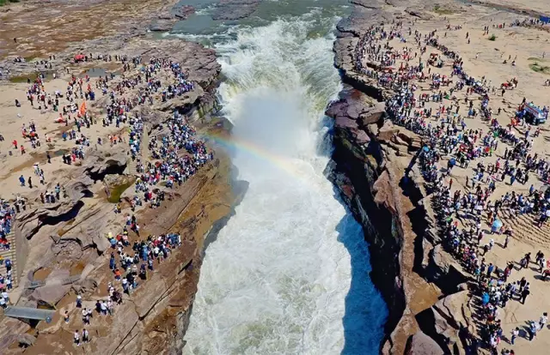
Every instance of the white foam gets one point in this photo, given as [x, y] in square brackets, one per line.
[275, 281]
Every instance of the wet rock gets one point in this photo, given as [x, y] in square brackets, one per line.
[183, 12]
[421, 344]
[235, 9]
[161, 25]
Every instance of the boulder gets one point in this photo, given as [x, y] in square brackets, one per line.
[454, 309]
[373, 115]
[362, 137]
[183, 12]
[421, 344]
[50, 294]
[85, 287]
[346, 122]
[99, 162]
[101, 243]
[68, 248]
[387, 131]
[161, 25]
[26, 340]
[235, 9]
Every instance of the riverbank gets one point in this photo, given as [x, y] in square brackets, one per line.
[432, 300]
[117, 145]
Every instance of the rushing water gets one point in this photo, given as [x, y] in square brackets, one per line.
[288, 274]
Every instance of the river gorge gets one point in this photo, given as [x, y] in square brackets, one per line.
[289, 272]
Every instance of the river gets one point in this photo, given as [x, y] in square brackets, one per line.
[289, 273]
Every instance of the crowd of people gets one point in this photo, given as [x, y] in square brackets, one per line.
[447, 138]
[171, 156]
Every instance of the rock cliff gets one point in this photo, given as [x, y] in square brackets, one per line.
[62, 249]
[417, 279]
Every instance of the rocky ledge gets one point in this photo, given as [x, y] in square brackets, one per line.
[62, 250]
[425, 292]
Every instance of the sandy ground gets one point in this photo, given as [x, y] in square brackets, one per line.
[13, 118]
[484, 57]
[45, 27]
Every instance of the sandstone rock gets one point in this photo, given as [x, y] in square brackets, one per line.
[183, 101]
[426, 249]
[26, 340]
[373, 129]
[50, 294]
[346, 122]
[451, 314]
[406, 136]
[68, 248]
[369, 4]
[418, 12]
[373, 115]
[125, 319]
[454, 309]
[145, 298]
[421, 344]
[85, 287]
[387, 131]
[99, 162]
[57, 276]
[441, 258]
[101, 243]
[362, 137]
[444, 270]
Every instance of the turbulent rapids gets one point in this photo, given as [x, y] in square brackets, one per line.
[288, 274]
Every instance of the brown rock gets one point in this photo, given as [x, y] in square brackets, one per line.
[345, 122]
[387, 131]
[362, 137]
[421, 344]
[145, 298]
[101, 243]
[50, 293]
[26, 340]
[373, 115]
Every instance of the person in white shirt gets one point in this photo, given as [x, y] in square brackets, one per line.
[76, 338]
[543, 320]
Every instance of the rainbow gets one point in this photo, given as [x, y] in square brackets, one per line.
[256, 151]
